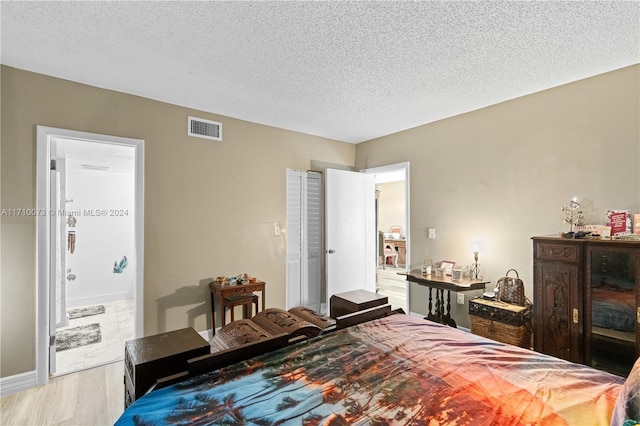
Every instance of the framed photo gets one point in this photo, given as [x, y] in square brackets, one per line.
[396, 231]
[447, 265]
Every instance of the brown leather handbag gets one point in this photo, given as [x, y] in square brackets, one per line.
[510, 289]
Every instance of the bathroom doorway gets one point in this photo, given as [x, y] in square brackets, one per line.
[94, 246]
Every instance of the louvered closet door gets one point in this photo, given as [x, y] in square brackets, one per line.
[304, 239]
[294, 238]
[311, 292]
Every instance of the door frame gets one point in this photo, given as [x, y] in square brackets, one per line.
[43, 238]
[404, 169]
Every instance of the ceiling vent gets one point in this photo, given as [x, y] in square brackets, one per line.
[202, 128]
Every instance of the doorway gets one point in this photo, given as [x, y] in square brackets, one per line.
[392, 225]
[89, 249]
[350, 231]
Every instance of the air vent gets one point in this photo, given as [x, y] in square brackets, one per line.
[202, 128]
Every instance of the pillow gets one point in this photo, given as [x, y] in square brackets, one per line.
[627, 409]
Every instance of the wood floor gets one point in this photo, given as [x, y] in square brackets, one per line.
[89, 397]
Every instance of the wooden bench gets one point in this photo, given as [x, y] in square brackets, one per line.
[206, 363]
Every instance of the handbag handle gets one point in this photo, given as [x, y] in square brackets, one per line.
[507, 274]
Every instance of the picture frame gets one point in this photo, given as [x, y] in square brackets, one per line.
[447, 265]
[396, 231]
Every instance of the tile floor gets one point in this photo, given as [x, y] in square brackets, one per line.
[116, 326]
[393, 286]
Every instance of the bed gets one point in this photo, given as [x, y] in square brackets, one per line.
[394, 370]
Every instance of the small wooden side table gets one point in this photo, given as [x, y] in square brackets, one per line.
[442, 312]
[354, 301]
[219, 292]
[150, 358]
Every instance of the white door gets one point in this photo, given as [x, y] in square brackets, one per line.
[294, 237]
[350, 232]
[56, 277]
[304, 239]
[311, 293]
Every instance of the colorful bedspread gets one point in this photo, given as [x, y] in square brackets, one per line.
[397, 370]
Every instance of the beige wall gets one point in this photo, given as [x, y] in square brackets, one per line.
[495, 176]
[209, 206]
[391, 206]
[500, 175]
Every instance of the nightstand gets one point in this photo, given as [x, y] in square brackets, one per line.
[149, 358]
[354, 301]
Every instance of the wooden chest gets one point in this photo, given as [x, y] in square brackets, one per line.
[149, 358]
[501, 321]
[354, 301]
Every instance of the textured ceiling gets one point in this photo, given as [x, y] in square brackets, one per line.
[350, 71]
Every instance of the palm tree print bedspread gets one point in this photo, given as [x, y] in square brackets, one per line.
[398, 370]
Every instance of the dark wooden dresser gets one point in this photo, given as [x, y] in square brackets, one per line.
[149, 358]
[587, 301]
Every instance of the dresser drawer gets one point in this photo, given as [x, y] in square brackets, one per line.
[558, 252]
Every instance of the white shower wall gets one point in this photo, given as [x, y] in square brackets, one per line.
[102, 204]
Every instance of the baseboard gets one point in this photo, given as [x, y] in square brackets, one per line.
[17, 383]
[96, 300]
[207, 334]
